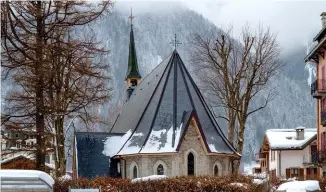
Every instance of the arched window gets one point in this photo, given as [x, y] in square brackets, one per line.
[191, 164]
[215, 170]
[134, 172]
[160, 170]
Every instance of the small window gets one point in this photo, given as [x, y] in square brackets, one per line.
[135, 172]
[191, 164]
[215, 170]
[133, 82]
[160, 170]
[16, 134]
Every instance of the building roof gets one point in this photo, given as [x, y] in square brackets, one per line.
[159, 108]
[91, 160]
[320, 34]
[313, 53]
[286, 138]
[133, 71]
[31, 157]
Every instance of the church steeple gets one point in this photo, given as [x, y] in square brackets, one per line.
[133, 76]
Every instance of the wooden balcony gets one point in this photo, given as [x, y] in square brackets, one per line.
[318, 88]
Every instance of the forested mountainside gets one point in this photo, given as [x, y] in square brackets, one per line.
[153, 32]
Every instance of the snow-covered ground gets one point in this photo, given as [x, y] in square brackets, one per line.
[150, 178]
[299, 186]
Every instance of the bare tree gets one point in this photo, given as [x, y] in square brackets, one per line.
[235, 72]
[32, 60]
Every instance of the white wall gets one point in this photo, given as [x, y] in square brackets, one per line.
[273, 164]
[292, 158]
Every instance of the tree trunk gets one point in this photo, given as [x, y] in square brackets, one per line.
[61, 159]
[40, 137]
[240, 142]
[232, 119]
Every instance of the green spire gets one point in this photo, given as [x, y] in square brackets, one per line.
[133, 71]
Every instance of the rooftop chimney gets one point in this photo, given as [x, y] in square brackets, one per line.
[323, 19]
[300, 133]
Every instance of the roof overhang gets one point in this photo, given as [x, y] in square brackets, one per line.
[170, 153]
[320, 34]
[312, 56]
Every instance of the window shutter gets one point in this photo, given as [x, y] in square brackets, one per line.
[318, 172]
[287, 171]
[301, 174]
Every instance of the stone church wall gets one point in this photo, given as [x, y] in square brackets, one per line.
[176, 164]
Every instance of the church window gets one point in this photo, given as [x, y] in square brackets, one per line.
[135, 172]
[215, 170]
[191, 164]
[160, 169]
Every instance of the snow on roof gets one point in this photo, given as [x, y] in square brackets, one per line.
[29, 156]
[153, 146]
[14, 156]
[150, 178]
[299, 186]
[113, 144]
[286, 138]
[11, 177]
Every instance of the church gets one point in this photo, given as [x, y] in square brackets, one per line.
[165, 128]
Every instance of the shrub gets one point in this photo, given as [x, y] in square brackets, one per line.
[229, 183]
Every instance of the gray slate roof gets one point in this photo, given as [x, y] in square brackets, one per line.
[159, 109]
[90, 159]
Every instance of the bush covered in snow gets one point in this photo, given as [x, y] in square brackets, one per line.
[178, 184]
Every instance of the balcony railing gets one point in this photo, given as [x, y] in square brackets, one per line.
[317, 87]
[315, 158]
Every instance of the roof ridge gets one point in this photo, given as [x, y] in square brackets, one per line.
[159, 104]
[167, 66]
[218, 129]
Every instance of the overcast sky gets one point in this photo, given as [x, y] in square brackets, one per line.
[295, 22]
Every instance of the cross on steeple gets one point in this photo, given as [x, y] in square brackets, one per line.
[131, 17]
[175, 42]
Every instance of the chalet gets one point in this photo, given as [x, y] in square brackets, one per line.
[288, 153]
[318, 89]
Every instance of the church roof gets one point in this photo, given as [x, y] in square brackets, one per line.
[133, 71]
[159, 109]
[92, 158]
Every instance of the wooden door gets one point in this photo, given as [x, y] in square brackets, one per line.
[308, 174]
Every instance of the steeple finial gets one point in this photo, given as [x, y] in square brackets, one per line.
[175, 42]
[131, 17]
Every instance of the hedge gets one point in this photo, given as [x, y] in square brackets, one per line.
[178, 184]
